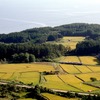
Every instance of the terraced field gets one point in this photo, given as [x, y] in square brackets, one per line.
[83, 69]
[94, 68]
[30, 77]
[53, 82]
[55, 97]
[75, 82]
[89, 60]
[26, 67]
[69, 68]
[26, 73]
[70, 59]
[86, 77]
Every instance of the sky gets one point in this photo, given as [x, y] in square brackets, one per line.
[17, 15]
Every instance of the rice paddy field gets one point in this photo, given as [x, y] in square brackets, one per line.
[73, 59]
[94, 68]
[54, 82]
[40, 67]
[26, 73]
[69, 41]
[75, 82]
[83, 68]
[70, 79]
[55, 97]
[29, 77]
[69, 68]
[89, 60]
[85, 60]
[86, 77]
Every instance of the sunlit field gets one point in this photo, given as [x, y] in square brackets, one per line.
[54, 82]
[55, 97]
[86, 77]
[71, 59]
[26, 73]
[30, 77]
[89, 60]
[26, 67]
[94, 68]
[72, 80]
[69, 68]
[69, 41]
[83, 69]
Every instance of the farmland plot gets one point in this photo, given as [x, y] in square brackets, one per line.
[69, 68]
[55, 97]
[94, 68]
[53, 82]
[86, 77]
[72, 80]
[26, 67]
[30, 77]
[71, 59]
[83, 69]
[89, 60]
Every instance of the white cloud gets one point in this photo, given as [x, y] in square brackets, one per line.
[24, 21]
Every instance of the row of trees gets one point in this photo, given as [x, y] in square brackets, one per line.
[27, 52]
[88, 47]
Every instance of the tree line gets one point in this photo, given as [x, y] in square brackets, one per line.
[41, 35]
[28, 52]
[88, 47]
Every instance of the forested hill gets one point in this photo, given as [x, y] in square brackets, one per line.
[41, 35]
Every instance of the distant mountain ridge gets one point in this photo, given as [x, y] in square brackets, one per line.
[41, 35]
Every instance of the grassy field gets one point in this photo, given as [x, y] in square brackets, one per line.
[72, 80]
[69, 41]
[69, 68]
[55, 97]
[89, 60]
[53, 82]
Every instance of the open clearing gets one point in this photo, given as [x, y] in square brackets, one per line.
[69, 41]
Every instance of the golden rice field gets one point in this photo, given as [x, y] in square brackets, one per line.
[29, 77]
[86, 77]
[72, 80]
[94, 68]
[83, 69]
[26, 67]
[73, 59]
[53, 82]
[69, 68]
[69, 41]
[89, 60]
[55, 97]
[27, 73]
